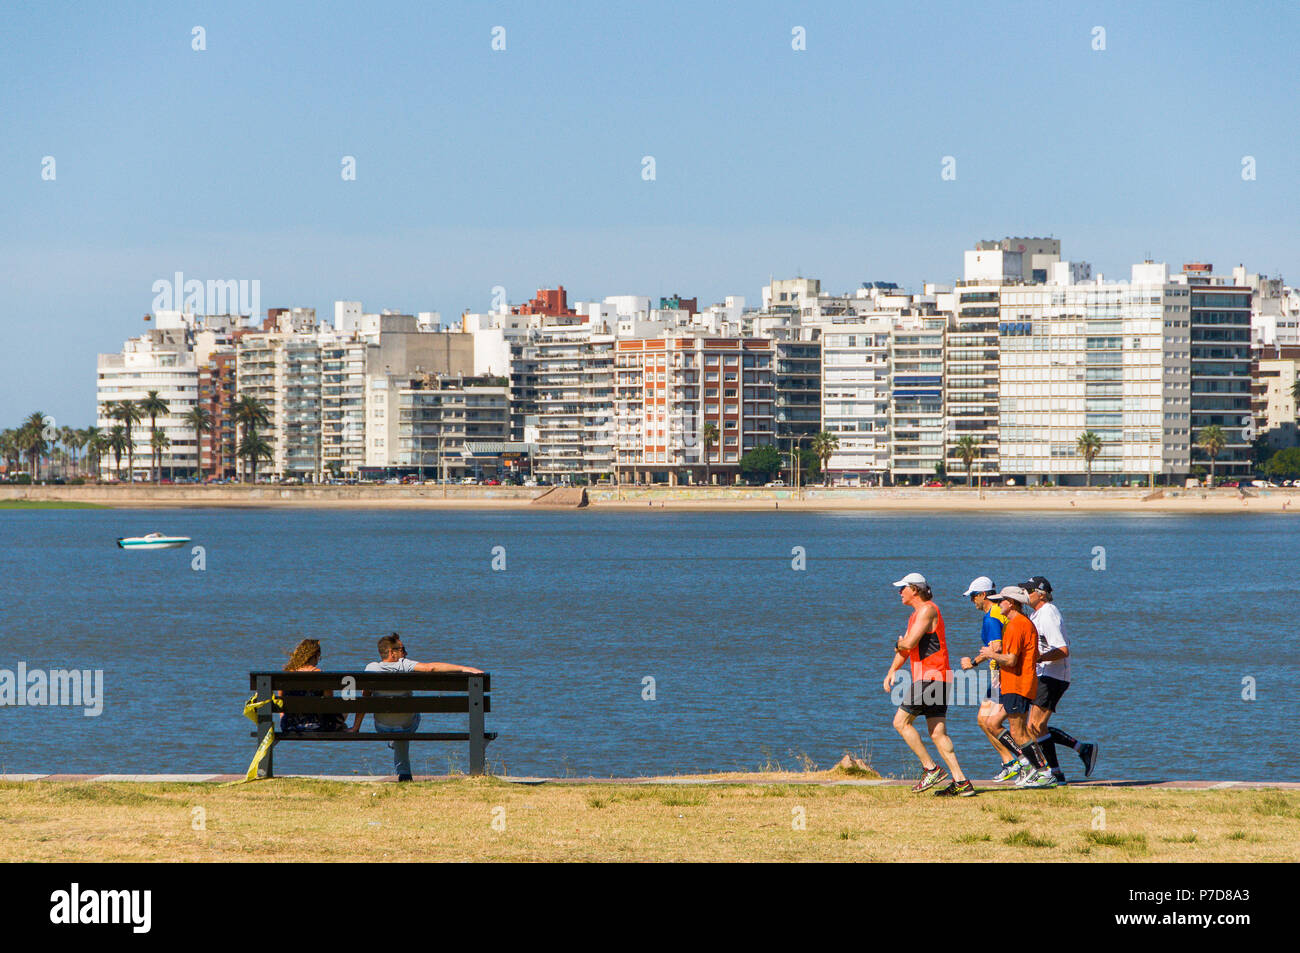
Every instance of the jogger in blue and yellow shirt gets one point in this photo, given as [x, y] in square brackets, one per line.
[992, 715]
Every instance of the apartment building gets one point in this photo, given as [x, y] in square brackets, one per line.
[1277, 371]
[1110, 358]
[575, 393]
[856, 397]
[970, 379]
[216, 395]
[797, 385]
[159, 360]
[1221, 366]
[343, 404]
[440, 420]
[282, 370]
[916, 445]
[669, 390]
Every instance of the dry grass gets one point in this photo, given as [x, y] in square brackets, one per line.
[304, 820]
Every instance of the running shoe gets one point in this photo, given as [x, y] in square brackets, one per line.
[1058, 776]
[1035, 779]
[1010, 771]
[1088, 752]
[935, 775]
[957, 789]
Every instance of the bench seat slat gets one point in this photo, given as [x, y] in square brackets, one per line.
[375, 736]
[370, 681]
[415, 703]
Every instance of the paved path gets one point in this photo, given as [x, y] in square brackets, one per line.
[692, 781]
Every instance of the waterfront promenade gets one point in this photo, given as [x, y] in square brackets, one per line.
[606, 498]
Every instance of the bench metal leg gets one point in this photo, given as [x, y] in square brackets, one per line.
[477, 744]
[265, 725]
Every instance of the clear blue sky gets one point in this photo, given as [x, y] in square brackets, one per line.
[522, 168]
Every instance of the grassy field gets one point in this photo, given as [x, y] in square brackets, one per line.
[49, 505]
[487, 819]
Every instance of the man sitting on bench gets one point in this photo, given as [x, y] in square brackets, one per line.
[393, 658]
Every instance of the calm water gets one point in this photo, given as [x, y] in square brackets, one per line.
[753, 662]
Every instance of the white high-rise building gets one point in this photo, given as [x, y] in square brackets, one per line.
[856, 398]
[1110, 358]
[916, 424]
[343, 404]
[159, 360]
[282, 370]
[575, 402]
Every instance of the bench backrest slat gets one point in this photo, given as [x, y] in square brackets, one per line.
[377, 703]
[369, 681]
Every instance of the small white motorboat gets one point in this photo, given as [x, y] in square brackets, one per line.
[152, 541]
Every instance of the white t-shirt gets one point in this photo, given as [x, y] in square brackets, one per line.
[398, 719]
[1051, 635]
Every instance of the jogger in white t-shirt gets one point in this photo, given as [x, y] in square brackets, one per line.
[1053, 679]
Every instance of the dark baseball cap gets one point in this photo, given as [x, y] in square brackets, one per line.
[1037, 583]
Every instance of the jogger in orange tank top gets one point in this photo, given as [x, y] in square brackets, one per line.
[923, 645]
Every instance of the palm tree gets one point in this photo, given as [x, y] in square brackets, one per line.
[1088, 445]
[158, 442]
[710, 440]
[68, 437]
[74, 440]
[9, 450]
[118, 442]
[153, 405]
[824, 445]
[250, 413]
[22, 438]
[254, 448]
[1212, 440]
[32, 440]
[128, 412]
[968, 449]
[199, 419]
[96, 444]
[54, 436]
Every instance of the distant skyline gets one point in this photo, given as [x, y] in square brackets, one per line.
[522, 167]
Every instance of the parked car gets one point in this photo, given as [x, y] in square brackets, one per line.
[492, 482]
[1230, 484]
[934, 483]
[468, 481]
[775, 483]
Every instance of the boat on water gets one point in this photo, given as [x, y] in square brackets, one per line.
[152, 541]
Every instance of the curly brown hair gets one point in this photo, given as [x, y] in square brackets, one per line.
[306, 653]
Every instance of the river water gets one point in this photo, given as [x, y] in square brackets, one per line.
[750, 661]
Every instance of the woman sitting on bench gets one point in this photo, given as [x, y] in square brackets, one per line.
[306, 658]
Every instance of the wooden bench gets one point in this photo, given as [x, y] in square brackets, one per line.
[458, 692]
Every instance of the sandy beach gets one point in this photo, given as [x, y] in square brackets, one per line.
[642, 499]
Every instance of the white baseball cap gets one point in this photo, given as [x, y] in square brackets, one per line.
[911, 579]
[980, 584]
[1015, 594]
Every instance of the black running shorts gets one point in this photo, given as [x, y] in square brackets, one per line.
[928, 699]
[1050, 691]
[1015, 704]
